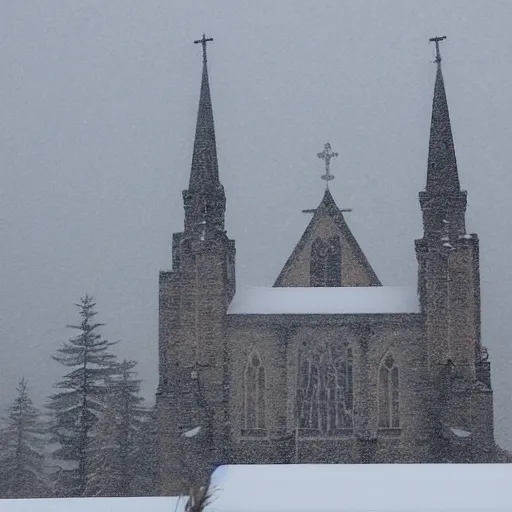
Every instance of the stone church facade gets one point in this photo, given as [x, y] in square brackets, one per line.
[328, 365]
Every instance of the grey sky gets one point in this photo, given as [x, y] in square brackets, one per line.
[97, 109]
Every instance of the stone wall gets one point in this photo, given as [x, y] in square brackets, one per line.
[277, 340]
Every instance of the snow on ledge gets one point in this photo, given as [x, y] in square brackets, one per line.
[460, 432]
[261, 300]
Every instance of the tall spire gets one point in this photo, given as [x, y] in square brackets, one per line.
[204, 159]
[442, 175]
[204, 200]
[443, 202]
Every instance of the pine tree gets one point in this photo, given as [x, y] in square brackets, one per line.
[145, 472]
[22, 472]
[112, 455]
[128, 400]
[77, 407]
[104, 462]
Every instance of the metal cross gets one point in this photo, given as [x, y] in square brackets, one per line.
[203, 41]
[437, 40]
[326, 155]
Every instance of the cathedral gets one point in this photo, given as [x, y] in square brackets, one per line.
[327, 365]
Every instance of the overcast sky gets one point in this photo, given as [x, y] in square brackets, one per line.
[98, 101]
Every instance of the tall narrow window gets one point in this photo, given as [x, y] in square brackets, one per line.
[324, 388]
[318, 263]
[254, 393]
[389, 398]
[325, 265]
[333, 262]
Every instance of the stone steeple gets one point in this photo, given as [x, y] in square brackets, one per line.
[193, 301]
[204, 200]
[449, 290]
[443, 202]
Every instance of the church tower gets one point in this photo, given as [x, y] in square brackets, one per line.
[194, 297]
[449, 289]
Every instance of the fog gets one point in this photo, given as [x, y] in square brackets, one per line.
[98, 102]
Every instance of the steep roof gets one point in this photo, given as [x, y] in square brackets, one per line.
[442, 174]
[204, 200]
[351, 250]
[204, 171]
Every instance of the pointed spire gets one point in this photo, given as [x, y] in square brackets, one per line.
[443, 202]
[204, 200]
[204, 172]
[442, 175]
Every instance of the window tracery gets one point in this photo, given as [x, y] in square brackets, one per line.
[325, 388]
[254, 393]
[389, 397]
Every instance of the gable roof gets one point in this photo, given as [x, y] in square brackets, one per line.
[328, 207]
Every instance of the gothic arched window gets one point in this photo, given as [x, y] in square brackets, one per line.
[389, 398]
[254, 393]
[325, 265]
[325, 388]
[333, 262]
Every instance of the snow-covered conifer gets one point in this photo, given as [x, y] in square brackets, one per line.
[113, 456]
[22, 442]
[80, 402]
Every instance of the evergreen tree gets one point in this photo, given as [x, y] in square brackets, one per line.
[145, 472]
[22, 442]
[77, 407]
[104, 461]
[113, 451]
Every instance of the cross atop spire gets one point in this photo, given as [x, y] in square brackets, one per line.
[443, 200]
[204, 200]
[436, 40]
[442, 175]
[327, 155]
[203, 41]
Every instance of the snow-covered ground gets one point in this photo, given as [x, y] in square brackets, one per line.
[95, 505]
[368, 488]
[323, 488]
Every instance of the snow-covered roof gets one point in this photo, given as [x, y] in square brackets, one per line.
[363, 488]
[164, 504]
[328, 301]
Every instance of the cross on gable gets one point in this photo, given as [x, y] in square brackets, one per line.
[327, 155]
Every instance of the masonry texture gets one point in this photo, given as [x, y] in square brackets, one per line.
[311, 387]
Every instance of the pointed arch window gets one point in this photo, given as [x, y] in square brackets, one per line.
[254, 394]
[325, 389]
[325, 263]
[389, 394]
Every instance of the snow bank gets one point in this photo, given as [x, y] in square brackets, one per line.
[167, 504]
[323, 488]
[363, 487]
[329, 301]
